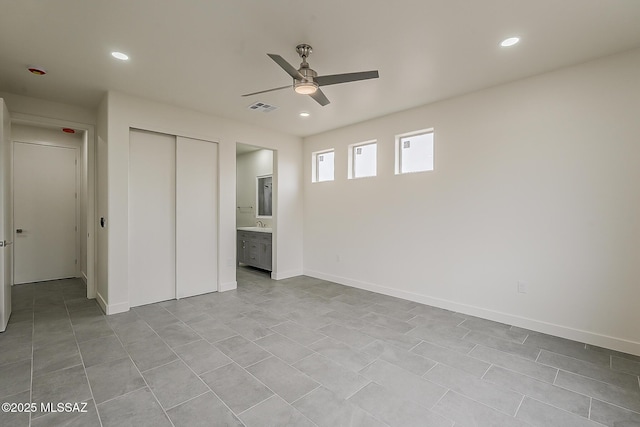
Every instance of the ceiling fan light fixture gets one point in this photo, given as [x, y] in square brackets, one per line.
[305, 88]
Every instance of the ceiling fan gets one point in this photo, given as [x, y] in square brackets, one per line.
[307, 82]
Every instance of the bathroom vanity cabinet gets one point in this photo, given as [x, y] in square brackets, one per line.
[254, 247]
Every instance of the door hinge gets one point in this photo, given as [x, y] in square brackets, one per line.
[76, 262]
[76, 195]
[76, 227]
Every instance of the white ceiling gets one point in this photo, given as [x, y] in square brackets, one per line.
[203, 54]
[244, 149]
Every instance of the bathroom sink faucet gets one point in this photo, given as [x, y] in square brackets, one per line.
[259, 224]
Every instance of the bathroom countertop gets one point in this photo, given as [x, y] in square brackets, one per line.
[258, 229]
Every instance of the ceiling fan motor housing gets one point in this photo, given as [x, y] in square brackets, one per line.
[308, 74]
[307, 85]
[304, 50]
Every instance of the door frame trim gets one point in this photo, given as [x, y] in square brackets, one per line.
[90, 138]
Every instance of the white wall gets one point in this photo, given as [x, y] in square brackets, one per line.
[49, 109]
[124, 111]
[534, 181]
[102, 205]
[248, 167]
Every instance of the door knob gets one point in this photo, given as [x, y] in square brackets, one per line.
[19, 230]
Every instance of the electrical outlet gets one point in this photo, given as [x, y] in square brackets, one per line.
[522, 287]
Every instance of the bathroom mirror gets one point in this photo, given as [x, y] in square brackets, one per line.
[264, 195]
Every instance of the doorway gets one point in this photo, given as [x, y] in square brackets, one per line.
[256, 196]
[27, 128]
[45, 211]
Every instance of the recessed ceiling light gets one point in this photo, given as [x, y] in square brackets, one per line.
[304, 114]
[119, 55]
[38, 71]
[510, 41]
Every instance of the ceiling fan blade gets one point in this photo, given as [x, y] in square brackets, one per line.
[320, 97]
[268, 90]
[286, 66]
[345, 78]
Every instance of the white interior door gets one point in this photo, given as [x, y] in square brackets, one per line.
[196, 217]
[152, 217]
[45, 197]
[6, 217]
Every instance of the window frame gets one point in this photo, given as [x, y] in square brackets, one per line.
[398, 150]
[352, 159]
[315, 169]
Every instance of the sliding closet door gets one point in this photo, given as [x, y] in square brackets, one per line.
[152, 220]
[196, 217]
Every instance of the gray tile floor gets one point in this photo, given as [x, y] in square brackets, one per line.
[299, 352]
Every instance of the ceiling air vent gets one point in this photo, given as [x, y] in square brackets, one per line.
[261, 106]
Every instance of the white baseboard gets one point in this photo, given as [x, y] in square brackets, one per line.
[83, 277]
[229, 286]
[118, 308]
[587, 337]
[101, 302]
[111, 308]
[285, 274]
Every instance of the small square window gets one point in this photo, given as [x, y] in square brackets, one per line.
[363, 159]
[414, 152]
[322, 166]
